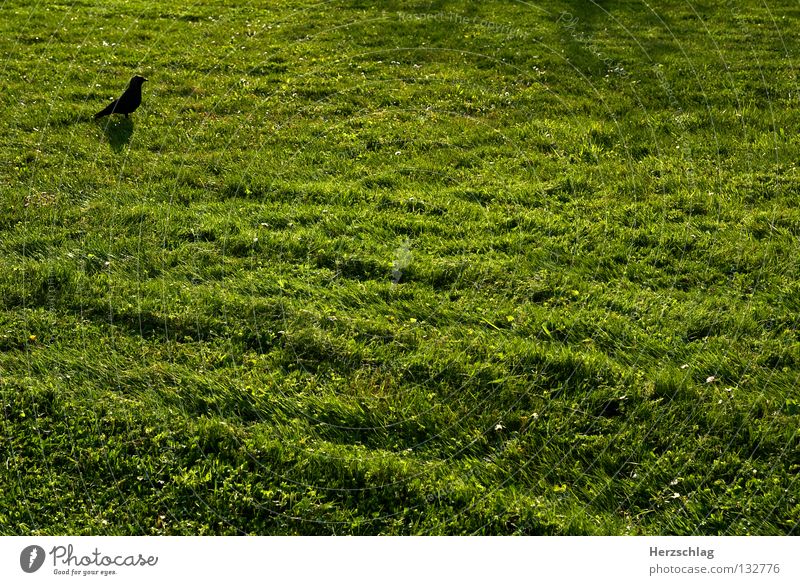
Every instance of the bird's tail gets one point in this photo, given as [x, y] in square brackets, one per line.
[109, 109]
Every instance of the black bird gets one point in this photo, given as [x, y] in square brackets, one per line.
[127, 102]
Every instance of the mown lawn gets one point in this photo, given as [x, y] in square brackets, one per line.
[421, 267]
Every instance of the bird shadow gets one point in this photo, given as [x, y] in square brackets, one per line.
[118, 132]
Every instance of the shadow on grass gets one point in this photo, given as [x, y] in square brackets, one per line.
[118, 132]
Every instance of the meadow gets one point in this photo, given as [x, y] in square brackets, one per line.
[418, 267]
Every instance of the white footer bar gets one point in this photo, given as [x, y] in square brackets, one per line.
[371, 560]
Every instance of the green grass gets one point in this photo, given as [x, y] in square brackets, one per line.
[423, 267]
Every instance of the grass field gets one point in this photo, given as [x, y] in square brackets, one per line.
[423, 267]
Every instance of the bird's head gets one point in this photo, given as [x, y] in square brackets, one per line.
[137, 80]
